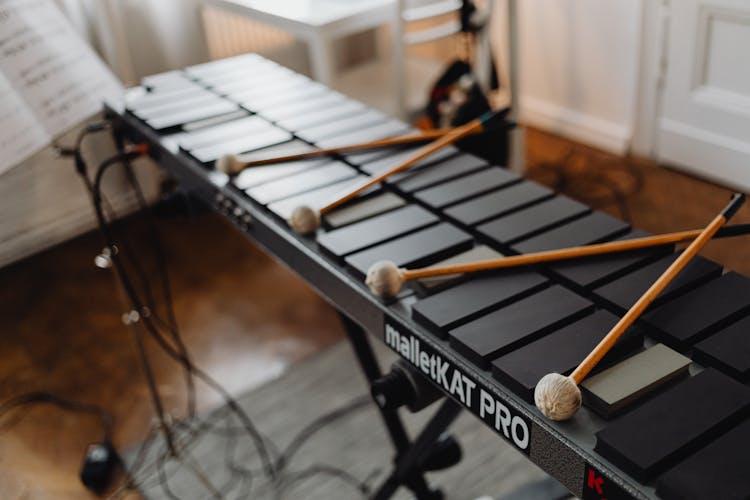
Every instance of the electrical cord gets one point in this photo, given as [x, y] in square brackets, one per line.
[153, 324]
[146, 320]
[161, 266]
[97, 198]
[82, 170]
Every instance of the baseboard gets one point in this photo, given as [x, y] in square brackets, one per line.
[715, 157]
[606, 135]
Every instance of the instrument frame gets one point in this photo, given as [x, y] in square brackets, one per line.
[562, 449]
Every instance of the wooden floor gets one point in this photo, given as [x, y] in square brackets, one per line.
[244, 317]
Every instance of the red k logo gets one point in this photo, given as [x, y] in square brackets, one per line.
[597, 486]
[595, 482]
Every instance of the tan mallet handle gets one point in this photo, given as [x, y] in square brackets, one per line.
[659, 285]
[427, 135]
[566, 253]
[449, 138]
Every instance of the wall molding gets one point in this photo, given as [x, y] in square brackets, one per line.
[704, 153]
[603, 134]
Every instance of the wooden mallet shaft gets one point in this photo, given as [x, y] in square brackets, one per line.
[558, 397]
[569, 253]
[422, 153]
[427, 135]
[656, 288]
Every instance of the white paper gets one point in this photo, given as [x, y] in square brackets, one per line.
[51, 79]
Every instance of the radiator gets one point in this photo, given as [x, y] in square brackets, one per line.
[229, 34]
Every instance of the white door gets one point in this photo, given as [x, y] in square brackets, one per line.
[704, 124]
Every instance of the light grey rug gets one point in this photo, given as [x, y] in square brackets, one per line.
[356, 443]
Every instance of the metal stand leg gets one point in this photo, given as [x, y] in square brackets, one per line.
[406, 471]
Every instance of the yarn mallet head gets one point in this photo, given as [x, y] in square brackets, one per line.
[385, 279]
[304, 219]
[557, 396]
[229, 164]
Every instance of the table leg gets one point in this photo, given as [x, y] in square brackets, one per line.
[407, 472]
[398, 77]
[321, 59]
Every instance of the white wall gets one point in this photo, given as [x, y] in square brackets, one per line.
[579, 67]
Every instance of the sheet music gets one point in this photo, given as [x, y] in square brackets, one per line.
[51, 78]
[20, 132]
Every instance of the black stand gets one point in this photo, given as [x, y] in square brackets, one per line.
[407, 470]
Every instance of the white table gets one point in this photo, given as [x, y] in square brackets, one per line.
[319, 23]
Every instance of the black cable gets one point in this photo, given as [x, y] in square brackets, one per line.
[324, 469]
[318, 424]
[179, 352]
[146, 320]
[161, 265]
[65, 404]
[82, 170]
[129, 290]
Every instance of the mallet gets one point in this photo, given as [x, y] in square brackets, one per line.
[385, 278]
[557, 396]
[305, 219]
[233, 164]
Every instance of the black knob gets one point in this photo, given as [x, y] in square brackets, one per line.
[393, 390]
[404, 385]
[445, 453]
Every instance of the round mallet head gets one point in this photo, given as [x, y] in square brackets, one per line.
[385, 279]
[304, 220]
[557, 396]
[229, 164]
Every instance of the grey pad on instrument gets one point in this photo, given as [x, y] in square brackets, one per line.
[561, 351]
[369, 207]
[476, 254]
[613, 390]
